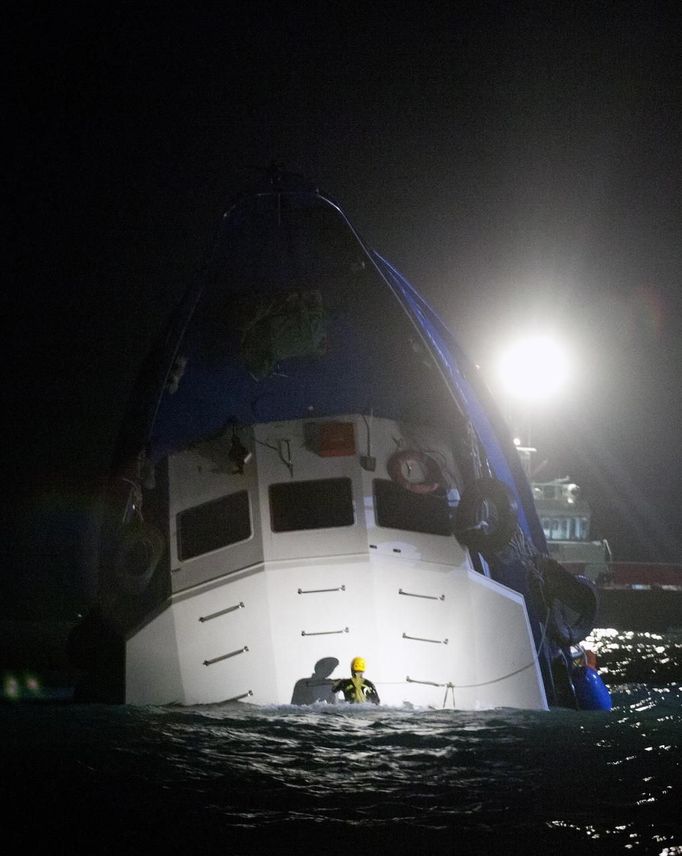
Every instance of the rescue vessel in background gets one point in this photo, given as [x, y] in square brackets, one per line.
[644, 596]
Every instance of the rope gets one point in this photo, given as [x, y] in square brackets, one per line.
[449, 685]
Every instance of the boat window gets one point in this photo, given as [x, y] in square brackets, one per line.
[213, 525]
[559, 530]
[398, 508]
[319, 504]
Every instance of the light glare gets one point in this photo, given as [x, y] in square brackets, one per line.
[534, 369]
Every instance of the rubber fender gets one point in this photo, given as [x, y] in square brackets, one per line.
[489, 497]
[572, 602]
[137, 556]
[590, 691]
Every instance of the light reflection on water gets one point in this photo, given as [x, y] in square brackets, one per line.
[629, 656]
[234, 778]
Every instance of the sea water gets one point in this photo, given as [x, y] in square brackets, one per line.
[243, 779]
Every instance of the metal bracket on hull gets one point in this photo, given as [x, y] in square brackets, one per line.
[421, 639]
[324, 632]
[239, 697]
[239, 605]
[425, 596]
[319, 591]
[449, 687]
[226, 656]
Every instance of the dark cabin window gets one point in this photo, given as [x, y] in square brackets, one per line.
[398, 508]
[319, 504]
[213, 525]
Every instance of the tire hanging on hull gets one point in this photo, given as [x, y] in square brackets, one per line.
[137, 556]
[572, 602]
[486, 519]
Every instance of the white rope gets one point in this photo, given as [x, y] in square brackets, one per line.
[450, 685]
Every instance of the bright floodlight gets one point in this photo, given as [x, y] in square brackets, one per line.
[534, 369]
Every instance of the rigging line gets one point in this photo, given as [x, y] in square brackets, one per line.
[454, 686]
[543, 638]
[267, 445]
[288, 461]
[534, 662]
[494, 680]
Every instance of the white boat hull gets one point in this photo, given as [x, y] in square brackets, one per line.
[433, 636]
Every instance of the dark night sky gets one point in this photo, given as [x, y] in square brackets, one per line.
[521, 167]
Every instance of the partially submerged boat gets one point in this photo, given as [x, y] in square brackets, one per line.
[311, 469]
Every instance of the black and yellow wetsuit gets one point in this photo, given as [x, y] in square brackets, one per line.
[357, 690]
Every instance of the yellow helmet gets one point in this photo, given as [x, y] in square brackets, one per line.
[357, 664]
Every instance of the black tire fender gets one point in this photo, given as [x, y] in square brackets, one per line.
[474, 532]
[137, 556]
[572, 600]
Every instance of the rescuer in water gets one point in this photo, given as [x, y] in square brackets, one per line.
[357, 689]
